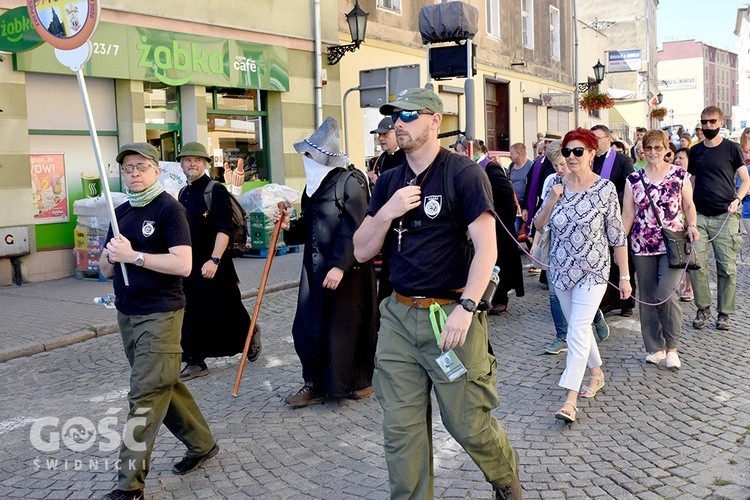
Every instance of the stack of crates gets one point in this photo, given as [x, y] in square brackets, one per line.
[89, 243]
[260, 230]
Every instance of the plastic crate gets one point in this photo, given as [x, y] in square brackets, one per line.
[261, 238]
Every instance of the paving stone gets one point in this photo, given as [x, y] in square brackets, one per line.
[695, 416]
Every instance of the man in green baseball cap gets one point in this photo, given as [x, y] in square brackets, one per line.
[419, 214]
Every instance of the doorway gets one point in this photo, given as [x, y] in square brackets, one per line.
[497, 117]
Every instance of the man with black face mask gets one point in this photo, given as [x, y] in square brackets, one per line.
[713, 165]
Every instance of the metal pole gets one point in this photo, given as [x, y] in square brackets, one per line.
[576, 95]
[648, 64]
[428, 82]
[346, 121]
[100, 165]
[469, 91]
[318, 70]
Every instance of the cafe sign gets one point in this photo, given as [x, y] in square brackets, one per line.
[175, 59]
[17, 33]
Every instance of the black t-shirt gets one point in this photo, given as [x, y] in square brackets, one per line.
[714, 170]
[155, 228]
[435, 255]
[204, 223]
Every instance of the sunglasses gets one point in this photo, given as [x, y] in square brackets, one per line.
[576, 151]
[711, 121]
[408, 116]
[142, 167]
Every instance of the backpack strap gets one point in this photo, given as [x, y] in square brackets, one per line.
[339, 193]
[208, 193]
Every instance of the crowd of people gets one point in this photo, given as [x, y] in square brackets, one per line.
[440, 221]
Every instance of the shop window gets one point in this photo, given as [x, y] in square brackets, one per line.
[236, 124]
[233, 99]
[162, 104]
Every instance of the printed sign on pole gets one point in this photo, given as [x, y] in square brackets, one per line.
[64, 24]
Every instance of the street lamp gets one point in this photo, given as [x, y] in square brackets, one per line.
[659, 97]
[357, 20]
[598, 75]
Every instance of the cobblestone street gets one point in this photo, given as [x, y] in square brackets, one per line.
[650, 433]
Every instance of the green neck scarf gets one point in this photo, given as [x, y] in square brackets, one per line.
[146, 196]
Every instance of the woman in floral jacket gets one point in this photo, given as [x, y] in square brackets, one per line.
[672, 193]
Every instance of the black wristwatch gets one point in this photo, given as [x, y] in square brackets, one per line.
[215, 260]
[469, 305]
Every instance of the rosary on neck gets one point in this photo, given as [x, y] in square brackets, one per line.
[400, 230]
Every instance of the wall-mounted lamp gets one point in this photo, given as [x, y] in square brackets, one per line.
[659, 97]
[598, 75]
[357, 20]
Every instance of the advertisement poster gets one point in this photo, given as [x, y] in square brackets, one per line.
[49, 188]
[624, 60]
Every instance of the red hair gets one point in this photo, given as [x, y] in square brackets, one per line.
[586, 136]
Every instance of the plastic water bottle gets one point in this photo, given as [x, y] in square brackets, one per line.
[486, 303]
[107, 301]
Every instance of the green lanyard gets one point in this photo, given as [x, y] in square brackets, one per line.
[437, 320]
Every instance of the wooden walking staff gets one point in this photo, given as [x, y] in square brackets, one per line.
[68, 29]
[259, 298]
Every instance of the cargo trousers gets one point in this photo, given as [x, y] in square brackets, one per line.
[727, 242]
[405, 373]
[152, 346]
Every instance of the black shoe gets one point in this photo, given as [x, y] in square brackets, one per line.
[192, 371]
[255, 345]
[124, 495]
[627, 312]
[188, 464]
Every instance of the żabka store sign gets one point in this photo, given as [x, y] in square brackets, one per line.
[136, 53]
[17, 34]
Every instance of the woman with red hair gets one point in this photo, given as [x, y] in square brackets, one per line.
[583, 214]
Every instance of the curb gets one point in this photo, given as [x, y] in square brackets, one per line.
[106, 329]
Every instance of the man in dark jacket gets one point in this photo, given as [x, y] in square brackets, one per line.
[616, 167]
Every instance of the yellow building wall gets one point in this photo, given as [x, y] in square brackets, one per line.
[378, 54]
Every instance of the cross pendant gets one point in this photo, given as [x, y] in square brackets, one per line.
[400, 230]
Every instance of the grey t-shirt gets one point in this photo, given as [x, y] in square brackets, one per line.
[518, 179]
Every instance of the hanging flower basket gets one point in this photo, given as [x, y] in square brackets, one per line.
[659, 113]
[596, 100]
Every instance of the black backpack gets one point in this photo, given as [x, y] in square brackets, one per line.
[238, 236]
[339, 193]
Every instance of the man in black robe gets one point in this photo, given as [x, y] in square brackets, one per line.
[619, 171]
[216, 322]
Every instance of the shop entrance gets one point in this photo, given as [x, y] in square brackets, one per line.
[162, 104]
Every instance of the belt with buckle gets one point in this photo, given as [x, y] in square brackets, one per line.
[422, 302]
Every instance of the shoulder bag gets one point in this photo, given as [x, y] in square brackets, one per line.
[540, 249]
[679, 247]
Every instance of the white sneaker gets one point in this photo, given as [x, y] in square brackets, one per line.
[673, 360]
[656, 357]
